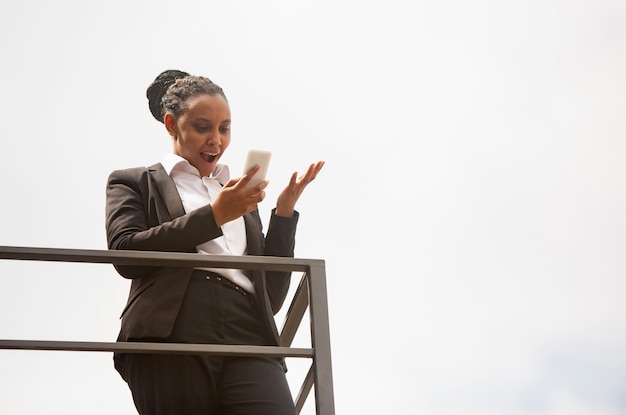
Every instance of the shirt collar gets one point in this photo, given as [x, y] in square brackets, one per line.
[175, 163]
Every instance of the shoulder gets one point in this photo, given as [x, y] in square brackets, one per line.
[136, 174]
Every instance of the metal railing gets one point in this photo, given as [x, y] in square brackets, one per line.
[311, 294]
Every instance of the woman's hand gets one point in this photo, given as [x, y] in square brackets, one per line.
[287, 199]
[235, 199]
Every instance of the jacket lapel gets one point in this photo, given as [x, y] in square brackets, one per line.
[167, 189]
[253, 231]
[254, 239]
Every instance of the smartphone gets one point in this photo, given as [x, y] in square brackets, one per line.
[260, 157]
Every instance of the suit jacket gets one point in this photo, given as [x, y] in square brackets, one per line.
[145, 212]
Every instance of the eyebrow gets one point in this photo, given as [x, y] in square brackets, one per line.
[207, 120]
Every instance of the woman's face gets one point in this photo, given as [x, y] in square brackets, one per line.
[202, 133]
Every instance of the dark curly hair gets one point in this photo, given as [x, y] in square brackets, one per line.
[171, 90]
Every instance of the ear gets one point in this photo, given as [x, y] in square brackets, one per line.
[170, 124]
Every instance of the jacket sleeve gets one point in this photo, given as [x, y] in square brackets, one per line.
[280, 242]
[137, 219]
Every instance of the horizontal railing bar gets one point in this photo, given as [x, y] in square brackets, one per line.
[320, 370]
[161, 259]
[156, 348]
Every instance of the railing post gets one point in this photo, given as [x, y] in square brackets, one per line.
[320, 338]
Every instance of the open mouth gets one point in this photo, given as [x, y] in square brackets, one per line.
[208, 157]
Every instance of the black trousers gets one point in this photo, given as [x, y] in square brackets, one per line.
[212, 312]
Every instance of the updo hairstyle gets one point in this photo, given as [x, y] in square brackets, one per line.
[172, 89]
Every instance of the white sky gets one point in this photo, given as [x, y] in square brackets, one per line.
[471, 212]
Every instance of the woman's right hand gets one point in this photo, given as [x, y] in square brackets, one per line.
[235, 199]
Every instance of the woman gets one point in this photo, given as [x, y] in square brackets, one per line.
[188, 203]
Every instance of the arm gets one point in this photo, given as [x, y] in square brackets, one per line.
[137, 219]
[280, 240]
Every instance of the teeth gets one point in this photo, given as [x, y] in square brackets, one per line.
[210, 156]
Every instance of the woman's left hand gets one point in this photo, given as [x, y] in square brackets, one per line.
[287, 199]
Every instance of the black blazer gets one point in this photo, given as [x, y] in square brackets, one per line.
[144, 212]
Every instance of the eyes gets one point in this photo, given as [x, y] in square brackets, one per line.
[203, 128]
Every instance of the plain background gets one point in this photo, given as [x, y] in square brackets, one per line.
[471, 211]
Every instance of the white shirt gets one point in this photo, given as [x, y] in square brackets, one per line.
[196, 191]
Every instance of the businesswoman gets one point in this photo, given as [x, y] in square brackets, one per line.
[189, 203]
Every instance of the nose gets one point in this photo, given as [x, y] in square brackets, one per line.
[215, 139]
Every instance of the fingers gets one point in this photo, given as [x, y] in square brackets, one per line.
[257, 192]
[252, 194]
[288, 198]
[245, 179]
[310, 174]
[234, 201]
[237, 197]
[294, 179]
[231, 183]
[316, 168]
[253, 170]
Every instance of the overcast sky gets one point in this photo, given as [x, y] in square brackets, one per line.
[471, 211]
